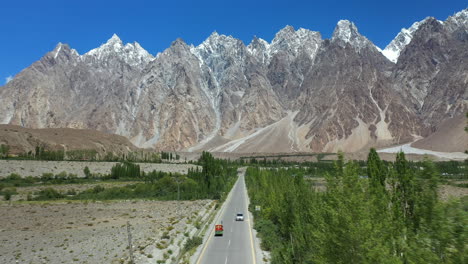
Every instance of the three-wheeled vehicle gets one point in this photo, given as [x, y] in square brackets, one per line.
[219, 230]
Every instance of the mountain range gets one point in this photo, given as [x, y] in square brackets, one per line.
[299, 92]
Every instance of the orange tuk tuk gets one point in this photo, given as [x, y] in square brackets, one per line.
[219, 230]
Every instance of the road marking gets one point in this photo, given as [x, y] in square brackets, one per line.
[250, 231]
[225, 262]
[229, 243]
[228, 199]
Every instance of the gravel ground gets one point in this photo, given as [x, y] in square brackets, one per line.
[37, 168]
[81, 232]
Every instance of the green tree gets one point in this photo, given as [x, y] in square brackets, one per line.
[4, 150]
[375, 170]
[87, 172]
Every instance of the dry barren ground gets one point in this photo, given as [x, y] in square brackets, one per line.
[37, 168]
[81, 232]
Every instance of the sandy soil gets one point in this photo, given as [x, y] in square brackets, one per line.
[37, 168]
[89, 232]
[450, 136]
[448, 191]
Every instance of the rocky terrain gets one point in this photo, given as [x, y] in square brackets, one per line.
[78, 232]
[297, 93]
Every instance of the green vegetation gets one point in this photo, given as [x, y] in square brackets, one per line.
[48, 194]
[169, 156]
[4, 150]
[125, 170]
[42, 152]
[7, 193]
[385, 213]
[192, 243]
[81, 154]
[213, 181]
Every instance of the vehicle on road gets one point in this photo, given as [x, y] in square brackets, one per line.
[239, 217]
[219, 230]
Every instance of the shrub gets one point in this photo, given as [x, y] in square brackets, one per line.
[193, 243]
[7, 193]
[48, 194]
[87, 172]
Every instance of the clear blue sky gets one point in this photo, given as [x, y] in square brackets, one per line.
[31, 28]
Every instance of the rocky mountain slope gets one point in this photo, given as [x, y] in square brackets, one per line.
[298, 92]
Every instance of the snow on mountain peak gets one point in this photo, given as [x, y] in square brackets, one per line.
[462, 14]
[459, 19]
[346, 32]
[114, 39]
[258, 48]
[131, 53]
[218, 44]
[294, 41]
[63, 49]
[404, 37]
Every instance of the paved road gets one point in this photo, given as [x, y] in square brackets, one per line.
[236, 245]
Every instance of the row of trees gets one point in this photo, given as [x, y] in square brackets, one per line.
[42, 153]
[213, 181]
[125, 170]
[216, 176]
[389, 215]
[169, 156]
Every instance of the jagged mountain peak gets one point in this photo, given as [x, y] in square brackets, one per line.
[113, 44]
[346, 32]
[403, 38]
[178, 42]
[293, 41]
[219, 45]
[63, 50]
[289, 33]
[463, 14]
[131, 53]
[179, 47]
[458, 20]
[213, 42]
[258, 48]
[288, 29]
[114, 39]
[257, 43]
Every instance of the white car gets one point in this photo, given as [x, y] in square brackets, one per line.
[239, 217]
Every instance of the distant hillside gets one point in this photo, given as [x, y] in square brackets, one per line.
[449, 136]
[22, 140]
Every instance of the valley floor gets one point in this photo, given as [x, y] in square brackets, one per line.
[94, 232]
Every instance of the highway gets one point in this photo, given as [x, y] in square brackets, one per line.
[236, 245]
